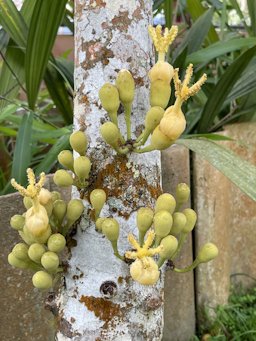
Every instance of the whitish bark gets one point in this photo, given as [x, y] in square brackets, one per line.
[111, 35]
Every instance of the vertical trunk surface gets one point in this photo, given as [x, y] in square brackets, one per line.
[111, 35]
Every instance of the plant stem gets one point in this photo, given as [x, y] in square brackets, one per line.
[115, 249]
[188, 268]
[146, 149]
[127, 115]
[182, 240]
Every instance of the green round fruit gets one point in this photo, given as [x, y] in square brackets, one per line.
[50, 261]
[42, 280]
[20, 251]
[110, 228]
[63, 178]
[35, 252]
[56, 242]
[17, 222]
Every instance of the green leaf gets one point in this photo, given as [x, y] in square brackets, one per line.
[12, 22]
[252, 12]
[46, 18]
[66, 69]
[22, 152]
[213, 137]
[223, 88]
[218, 49]
[236, 6]
[239, 171]
[3, 40]
[51, 156]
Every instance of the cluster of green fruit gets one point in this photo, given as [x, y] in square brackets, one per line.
[170, 230]
[164, 126]
[43, 228]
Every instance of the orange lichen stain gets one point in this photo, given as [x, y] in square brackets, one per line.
[120, 280]
[105, 310]
[121, 21]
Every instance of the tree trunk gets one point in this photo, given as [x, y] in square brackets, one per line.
[111, 35]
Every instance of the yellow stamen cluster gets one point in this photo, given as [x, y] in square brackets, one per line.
[33, 189]
[145, 250]
[182, 89]
[162, 41]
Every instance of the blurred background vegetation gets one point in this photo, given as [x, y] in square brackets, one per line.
[36, 86]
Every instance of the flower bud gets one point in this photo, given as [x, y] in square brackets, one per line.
[191, 220]
[182, 193]
[179, 222]
[82, 167]
[37, 220]
[55, 196]
[44, 196]
[17, 263]
[109, 98]
[169, 244]
[20, 251]
[59, 210]
[42, 239]
[159, 141]
[78, 142]
[208, 252]
[162, 223]
[27, 236]
[99, 223]
[145, 271]
[49, 208]
[17, 222]
[160, 93]
[144, 219]
[165, 202]
[173, 125]
[42, 280]
[110, 228]
[98, 198]
[35, 252]
[62, 178]
[56, 242]
[50, 261]
[126, 86]
[153, 118]
[161, 70]
[75, 209]
[110, 134]
[66, 159]
[27, 202]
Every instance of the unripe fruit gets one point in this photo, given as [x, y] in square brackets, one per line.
[126, 86]
[179, 222]
[98, 198]
[78, 142]
[44, 196]
[50, 261]
[159, 141]
[99, 223]
[153, 118]
[144, 219]
[173, 125]
[82, 167]
[165, 202]
[145, 271]
[62, 178]
[17, 263]
[59, 210]
[55, 196]
[109, 98]
[49, 208]
[75, 209]
[17, 222]
[161, 70]
[66, 159]
[110, 134]
[110, 228]
[182, 193]
[37, 220]
[208, 252]
[27, 202]
[42, 280]
[160, 93]
[162, 223]
[56, 242]
[191, 220]
[170, 244]
[27, 236]
[20, 251]
[35, 252]
[44, 237]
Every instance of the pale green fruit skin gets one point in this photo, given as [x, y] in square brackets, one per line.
[173, 125]
[42, 280]
[50, 261]
[30, 239]
[75, 209]
[66, 159]
[59, 209]
[35, 252]
[20, 251]
[62, 178]
[17, 222]
[207, 253]
[160, 93]
[165, 202]
[110, 133]
[161, 70]
[78, 142]
[109, 98]
[27, 202]
[170, 245]
[82, 167]
[98, 198]
[110, 228]
[56, 242]
[44, 196]
[162, 223]
[179, 222]
[144, 219]
[159, 141]
[99, 223]
[126, 86]
[55, 196]
[191, 220]
[182, 193]
[49, 208]
[153, 118]
[17, 263]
